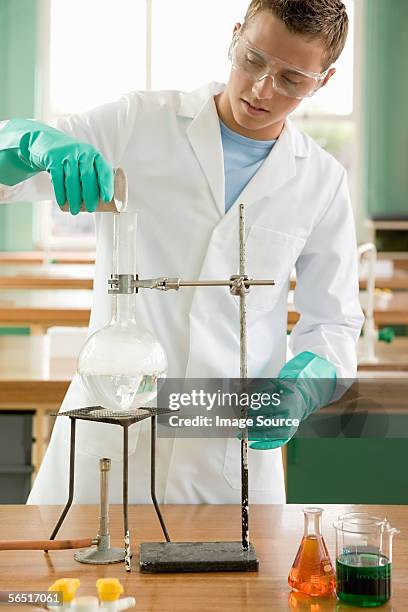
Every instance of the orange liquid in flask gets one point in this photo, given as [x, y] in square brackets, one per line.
[312, 571]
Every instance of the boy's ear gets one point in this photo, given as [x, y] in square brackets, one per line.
[328, 76]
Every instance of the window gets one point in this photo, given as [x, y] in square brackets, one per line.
[329, 116]
[123, 45]
[190, 41]
[107, 59]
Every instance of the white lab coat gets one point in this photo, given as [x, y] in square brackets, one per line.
[298, 213]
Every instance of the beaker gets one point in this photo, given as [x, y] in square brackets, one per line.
[312, 571]
[121, 363]
[363, 559]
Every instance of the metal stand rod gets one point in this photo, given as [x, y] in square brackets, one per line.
[71, 481]
[153, 476]
[130, 283]
[243, 375]
[207, 283]
[125, 497]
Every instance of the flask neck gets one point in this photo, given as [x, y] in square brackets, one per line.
[123, 309]
[313, 522]
[124, 243]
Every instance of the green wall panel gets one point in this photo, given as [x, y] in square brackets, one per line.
[347, 471]
[3, 51]
[18, 54]
[14, 331]
[385, 104]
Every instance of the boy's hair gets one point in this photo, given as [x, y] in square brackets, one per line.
[322, 19]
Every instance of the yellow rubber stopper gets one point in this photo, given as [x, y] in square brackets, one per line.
[68, 586]
[109, 589]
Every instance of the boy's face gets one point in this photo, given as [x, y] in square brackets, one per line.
[236, 103]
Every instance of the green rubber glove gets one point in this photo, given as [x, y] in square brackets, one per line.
[78, 171]
[307, 382]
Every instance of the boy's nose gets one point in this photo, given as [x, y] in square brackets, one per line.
[263, 89]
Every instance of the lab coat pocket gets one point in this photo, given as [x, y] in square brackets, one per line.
[270, 255]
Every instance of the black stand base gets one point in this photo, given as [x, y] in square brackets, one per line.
[165, 557]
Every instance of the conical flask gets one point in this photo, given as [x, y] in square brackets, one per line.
[121, 363]
[312, 571]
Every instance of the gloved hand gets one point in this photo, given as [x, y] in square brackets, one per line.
[307, 382]
[78, 171]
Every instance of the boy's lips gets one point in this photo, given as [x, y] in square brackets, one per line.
[253, 109]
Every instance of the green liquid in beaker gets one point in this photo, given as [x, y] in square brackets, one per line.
[363, 578]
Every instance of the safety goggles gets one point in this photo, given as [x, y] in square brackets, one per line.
[287, 79]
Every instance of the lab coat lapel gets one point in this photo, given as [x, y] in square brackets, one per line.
[205, 138]
[277, 169]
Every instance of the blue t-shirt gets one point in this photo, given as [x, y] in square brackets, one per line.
[242, 158]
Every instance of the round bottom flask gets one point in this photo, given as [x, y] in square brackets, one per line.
[120, 364]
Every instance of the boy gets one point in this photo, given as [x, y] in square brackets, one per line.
[190, 157]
